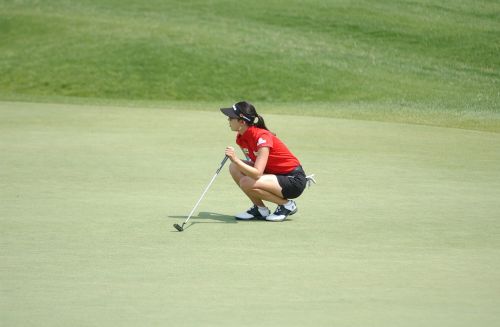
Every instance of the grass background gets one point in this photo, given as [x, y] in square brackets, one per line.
[401, 230]
[109, 131]
[413, 61]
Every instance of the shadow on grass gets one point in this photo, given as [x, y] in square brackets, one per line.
[207, 218]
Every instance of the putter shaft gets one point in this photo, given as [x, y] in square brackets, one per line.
[203, 194]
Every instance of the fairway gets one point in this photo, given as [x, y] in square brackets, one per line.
[402, 228]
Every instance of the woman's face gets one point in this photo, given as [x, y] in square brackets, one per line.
[234, 124]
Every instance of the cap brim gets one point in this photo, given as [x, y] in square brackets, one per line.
[229, 112]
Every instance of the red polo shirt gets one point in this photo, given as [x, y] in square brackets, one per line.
[280, 161]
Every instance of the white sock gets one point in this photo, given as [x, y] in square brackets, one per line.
[263, 210]
[290, 205]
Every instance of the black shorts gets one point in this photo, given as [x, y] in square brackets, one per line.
[293, 183]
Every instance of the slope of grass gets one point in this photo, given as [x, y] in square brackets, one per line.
[412, 54]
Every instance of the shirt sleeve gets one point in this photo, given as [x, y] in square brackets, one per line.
[265, 140]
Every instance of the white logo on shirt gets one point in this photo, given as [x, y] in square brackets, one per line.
[261, 141]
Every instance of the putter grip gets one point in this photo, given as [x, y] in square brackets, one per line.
[222, 164]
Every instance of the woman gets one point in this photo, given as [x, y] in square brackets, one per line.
[270, 172]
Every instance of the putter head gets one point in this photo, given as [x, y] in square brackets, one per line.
[178, 227]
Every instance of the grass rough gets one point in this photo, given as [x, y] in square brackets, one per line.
[415, 57]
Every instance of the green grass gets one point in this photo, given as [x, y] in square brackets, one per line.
[420, 56]
[402, 228]
[112, 132]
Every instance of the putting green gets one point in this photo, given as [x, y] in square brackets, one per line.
[402, 228]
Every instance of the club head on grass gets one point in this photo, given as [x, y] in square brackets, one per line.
[178, 227]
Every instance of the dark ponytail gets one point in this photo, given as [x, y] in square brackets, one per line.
[260, 123]
[251, 116]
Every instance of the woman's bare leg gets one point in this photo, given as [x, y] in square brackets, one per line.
[265, 188]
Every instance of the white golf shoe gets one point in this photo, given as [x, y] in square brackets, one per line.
[254, 213]
[283, 211]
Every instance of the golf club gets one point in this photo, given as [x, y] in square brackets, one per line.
[181, 228]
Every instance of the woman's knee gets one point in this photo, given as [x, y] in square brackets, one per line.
[247, 183]
[234, 171]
